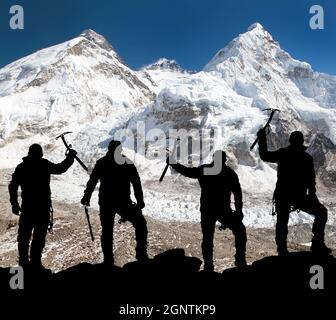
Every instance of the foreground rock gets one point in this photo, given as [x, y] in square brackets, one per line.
[171, 278]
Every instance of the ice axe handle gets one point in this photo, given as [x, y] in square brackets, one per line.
[254, 143]
[89, 223]
[265, 127]
[167, 165]
[68, 147]
[81, 163]
[257, 139]
[164, 172]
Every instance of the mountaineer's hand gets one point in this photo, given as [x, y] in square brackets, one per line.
[85, 202]
[261, 134]
[16, 210]
[141, 204]
[71, 153]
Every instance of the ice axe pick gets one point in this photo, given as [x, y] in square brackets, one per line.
[68, 147]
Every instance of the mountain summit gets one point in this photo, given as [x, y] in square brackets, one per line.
[255, 43]
[97, 39]
[164, 64]
[255, 26]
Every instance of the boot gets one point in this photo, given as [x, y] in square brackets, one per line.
[108, 261]
[240, 261]
[24, 263]
[37, 267]
[283, 252]
[208, 267]
[320, 248]
[142, 255]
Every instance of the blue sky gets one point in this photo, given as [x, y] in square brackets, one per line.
[190, 31]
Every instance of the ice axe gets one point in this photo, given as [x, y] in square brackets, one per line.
[266, 125]
[89, 223]
[167, 165]
[69, 146]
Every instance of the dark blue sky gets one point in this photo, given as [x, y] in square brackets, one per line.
[190, 31]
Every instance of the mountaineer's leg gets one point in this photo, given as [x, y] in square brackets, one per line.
[24, 235]
[312, 206]
[107, 224]
[208, 230]
[239, 232]
[140, 226]
[38, 242]
[281, 231]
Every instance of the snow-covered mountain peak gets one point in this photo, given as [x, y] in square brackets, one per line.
[96, 38]
[89, 33]
[255, 26]
[164, 64]
[68, 85]
[255, 66]
[257, 33]
[254, 44]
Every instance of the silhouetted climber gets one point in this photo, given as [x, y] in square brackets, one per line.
[216, 190]
[295, 189]
[116, 173]
[33, 177]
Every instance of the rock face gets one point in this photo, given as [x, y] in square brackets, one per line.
[83, 86]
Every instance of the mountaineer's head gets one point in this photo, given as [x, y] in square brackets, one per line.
[296, 139]
[219, 156]
[35, 151]
[114, 149]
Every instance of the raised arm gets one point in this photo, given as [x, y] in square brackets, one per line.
[189, 172]
[59, 168]
[265, 155]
